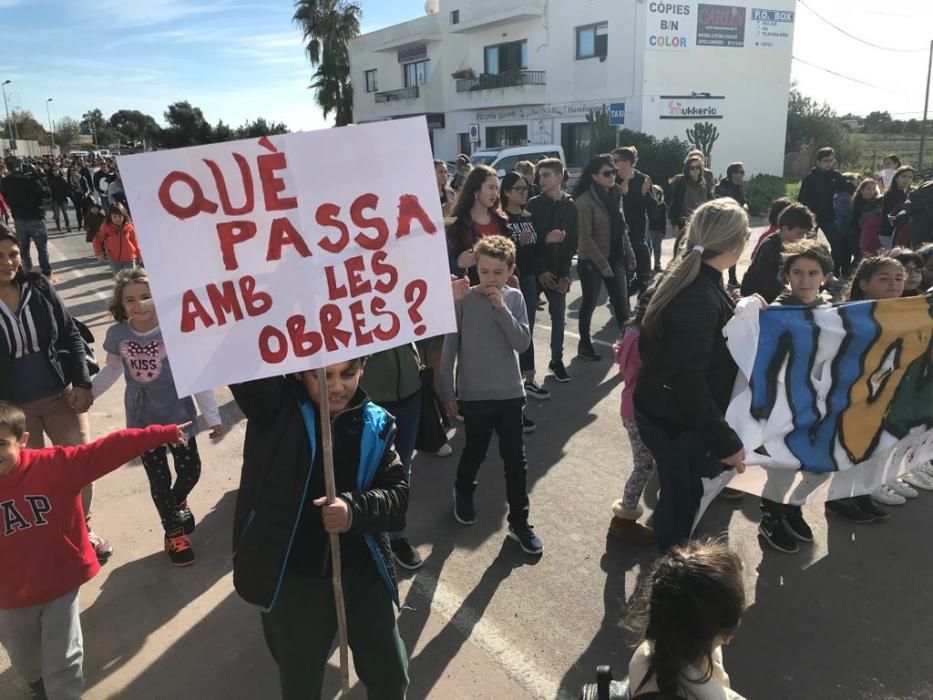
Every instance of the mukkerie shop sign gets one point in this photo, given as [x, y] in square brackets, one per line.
[691, 107]
[669, 26]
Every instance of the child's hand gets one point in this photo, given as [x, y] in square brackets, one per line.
[563, 285]
[335, 516]
[182, 437]
[451, 408]
[495, 297]
[466, 259]
[555, 236]
[459, 286]
[217, 432]
[548, 280]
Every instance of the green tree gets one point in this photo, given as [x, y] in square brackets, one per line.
[812, 125]
[186, 126]
[327, 27]
[260, 127]
[66, 133]
[134, 125]
[659, 159]
[223, 132]
[93, 122]
[603, 134]
[878, 123]
[27, 127]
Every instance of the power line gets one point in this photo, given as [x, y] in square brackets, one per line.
[854, 80]
[859, 39]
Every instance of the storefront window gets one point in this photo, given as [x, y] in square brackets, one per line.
[577, 140]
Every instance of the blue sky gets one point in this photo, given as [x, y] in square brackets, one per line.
[241, 59]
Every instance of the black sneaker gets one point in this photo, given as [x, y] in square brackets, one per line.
[585, 351]
[869, 506]
[793, 518]
[526, 537]
[559, 371]
[185, 518]
[847, 508]
[536, 391]
[405, 555]
[776, 534]
[528, 425]
[178, 547]
[464, 511]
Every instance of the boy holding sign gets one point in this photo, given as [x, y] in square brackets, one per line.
[282, 525]
[492, 328]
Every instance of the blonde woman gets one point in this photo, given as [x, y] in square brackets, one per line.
[687, 372]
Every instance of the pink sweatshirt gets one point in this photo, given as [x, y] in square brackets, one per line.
[629, 362]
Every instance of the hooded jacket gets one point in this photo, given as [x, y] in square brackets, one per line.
[119, 244]
[817, 192]
[274, 521]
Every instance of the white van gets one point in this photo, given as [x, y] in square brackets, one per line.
[502, 160]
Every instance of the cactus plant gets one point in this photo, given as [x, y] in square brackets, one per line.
[603, 133]
[702, 136]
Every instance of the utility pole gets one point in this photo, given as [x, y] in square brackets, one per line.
[9, 123]
[926, 105]
[48, 113]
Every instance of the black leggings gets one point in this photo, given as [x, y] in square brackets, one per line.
[167, 497]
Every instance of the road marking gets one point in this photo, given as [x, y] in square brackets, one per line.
[74, 272]
[483, 633]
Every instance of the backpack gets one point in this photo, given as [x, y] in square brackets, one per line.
[920, 214]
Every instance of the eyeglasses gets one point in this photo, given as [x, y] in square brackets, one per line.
[608, 173]
[739, 172]
[695, 167]
[520, 190]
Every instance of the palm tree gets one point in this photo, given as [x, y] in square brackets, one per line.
[328, 26]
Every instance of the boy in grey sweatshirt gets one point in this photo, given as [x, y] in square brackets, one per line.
[492, 329]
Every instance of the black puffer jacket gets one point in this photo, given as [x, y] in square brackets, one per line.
[549, 215]
[273, 509]
[687, 373]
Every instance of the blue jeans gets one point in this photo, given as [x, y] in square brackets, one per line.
[682, 463]
[28, 230]
[529, 287]
[591, 279]
[116, 267]
[60, 209]
[557, 307]
[407, 414]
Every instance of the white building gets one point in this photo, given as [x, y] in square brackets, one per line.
[530, 70]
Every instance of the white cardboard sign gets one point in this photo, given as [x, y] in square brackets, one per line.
[292, 252]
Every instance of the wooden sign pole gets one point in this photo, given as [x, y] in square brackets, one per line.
[330, 490]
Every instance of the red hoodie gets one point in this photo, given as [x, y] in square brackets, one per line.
[44, 547]
[119, 243]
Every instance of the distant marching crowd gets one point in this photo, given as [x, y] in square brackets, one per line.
[515, 246]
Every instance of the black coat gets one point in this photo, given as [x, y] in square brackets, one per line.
[57, 333]
[277, 472]
[59, 187]
[727, 188]
[546, 216]
[687, 373]
[764, 274]
[817, 192]
[637, 206]
[25, 195]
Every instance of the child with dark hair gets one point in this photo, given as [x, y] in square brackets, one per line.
[805, 266]
[46, 549]
[763, 275]
[476, 214]
[93, 220]
[282, 524]
[774, 211]
[926, 254]
[866, 215]
[116, 242]
[913, 270]
[492, 329]
[687, 611]
[627, 510]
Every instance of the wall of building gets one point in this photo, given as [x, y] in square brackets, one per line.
[729, 65]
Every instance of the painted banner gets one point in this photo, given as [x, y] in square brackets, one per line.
[833, 401]
[291, 252]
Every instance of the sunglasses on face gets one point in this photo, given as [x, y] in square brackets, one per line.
[608, 173]
[739, 172]
[695, 167]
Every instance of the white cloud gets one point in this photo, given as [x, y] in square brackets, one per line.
[133, 13]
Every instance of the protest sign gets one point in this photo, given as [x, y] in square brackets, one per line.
[835, 401]
[291, 252]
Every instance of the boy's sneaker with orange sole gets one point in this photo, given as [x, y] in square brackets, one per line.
[178, 547]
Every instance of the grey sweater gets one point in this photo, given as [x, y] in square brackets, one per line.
[486, 347]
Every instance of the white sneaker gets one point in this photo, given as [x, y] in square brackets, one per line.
[919, 479]
[888, 496]
[905, 490]
[445, 451]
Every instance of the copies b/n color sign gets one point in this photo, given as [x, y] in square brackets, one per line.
[670, 25]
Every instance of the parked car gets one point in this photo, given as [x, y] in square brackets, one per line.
[502, 160]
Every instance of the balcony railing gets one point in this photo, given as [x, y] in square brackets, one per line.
[409, 93]
[514, 78]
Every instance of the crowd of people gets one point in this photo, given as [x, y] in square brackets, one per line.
[515, 246]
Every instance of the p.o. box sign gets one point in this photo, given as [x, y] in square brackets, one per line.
[288, 253]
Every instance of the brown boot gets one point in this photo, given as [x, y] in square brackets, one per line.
[631, 531]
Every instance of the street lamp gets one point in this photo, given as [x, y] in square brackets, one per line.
[9, 123]
[48, 113]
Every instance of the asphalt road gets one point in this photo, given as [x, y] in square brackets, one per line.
[847, 618]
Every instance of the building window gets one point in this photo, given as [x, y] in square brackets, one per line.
[501, 136]
[416, 74]
[372, 81]
[455, 16]
[593, 41]
[577, 140]
[503, 58]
